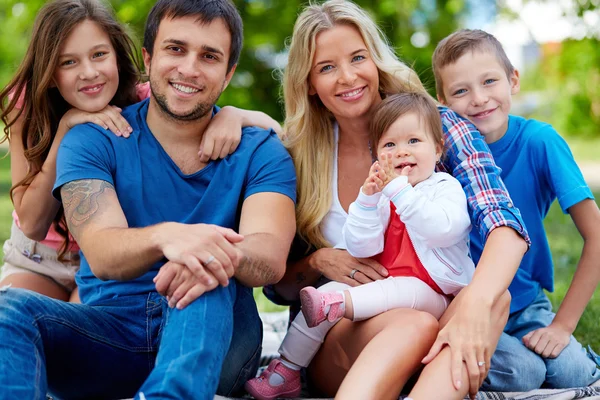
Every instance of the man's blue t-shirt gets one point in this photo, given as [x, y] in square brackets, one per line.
[152, 189]
[537, 167]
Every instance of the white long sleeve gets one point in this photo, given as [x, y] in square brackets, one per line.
[363, 232]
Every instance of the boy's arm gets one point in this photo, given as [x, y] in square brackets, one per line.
[549, 342]
[363, 231]
[467, 331]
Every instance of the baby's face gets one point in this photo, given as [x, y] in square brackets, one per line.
[408, 144]
[87, 75]
[477, 88]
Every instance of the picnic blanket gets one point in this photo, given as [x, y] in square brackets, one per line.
[275, 326]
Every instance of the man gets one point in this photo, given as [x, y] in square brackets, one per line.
[146, 204]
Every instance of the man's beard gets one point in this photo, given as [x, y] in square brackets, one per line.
[199, 111]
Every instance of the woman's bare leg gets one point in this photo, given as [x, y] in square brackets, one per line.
[37, 283]
[435, 381]
[378, 355]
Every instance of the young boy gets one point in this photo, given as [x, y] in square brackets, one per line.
[475, 78]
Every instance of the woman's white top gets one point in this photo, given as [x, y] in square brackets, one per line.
[333, 223]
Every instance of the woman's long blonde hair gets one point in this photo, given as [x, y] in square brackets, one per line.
[308, 125]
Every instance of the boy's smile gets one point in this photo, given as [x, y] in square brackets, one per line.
[477, 88]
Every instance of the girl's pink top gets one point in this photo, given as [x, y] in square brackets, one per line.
[53, 238]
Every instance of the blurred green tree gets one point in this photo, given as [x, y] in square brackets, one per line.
[569, 75]
[413, 26]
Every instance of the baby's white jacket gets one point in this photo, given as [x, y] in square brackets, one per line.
[437, 221]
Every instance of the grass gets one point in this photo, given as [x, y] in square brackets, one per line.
[565, 242]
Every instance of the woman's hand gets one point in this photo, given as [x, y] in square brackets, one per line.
[338, 265]
[109, 118]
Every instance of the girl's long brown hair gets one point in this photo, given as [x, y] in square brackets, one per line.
[42, 104]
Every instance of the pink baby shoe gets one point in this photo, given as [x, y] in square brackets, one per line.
[314, 304]
[260, 388]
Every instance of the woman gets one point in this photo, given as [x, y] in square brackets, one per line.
[339, 68]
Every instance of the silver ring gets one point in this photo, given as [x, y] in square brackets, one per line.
[481, 363]
[352, 273]
[210, 259]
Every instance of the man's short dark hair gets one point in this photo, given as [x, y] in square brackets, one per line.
[206, 11]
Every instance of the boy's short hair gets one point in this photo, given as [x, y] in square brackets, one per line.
[455, 45]
[395, 106]
[206, 11]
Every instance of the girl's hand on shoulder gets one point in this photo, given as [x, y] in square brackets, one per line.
[548, 342]
[373, 183]
[338, 265]
[222, 136]
[109, 118]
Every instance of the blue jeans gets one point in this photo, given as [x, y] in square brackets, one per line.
[516, 368]
[128, 345]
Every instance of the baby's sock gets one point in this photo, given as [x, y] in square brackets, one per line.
[275, 379]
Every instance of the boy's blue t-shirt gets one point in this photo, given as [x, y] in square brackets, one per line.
[152, 189]
[537, 167]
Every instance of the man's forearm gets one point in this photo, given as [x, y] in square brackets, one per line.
[501, 257]
[121, 253]
[263, 261]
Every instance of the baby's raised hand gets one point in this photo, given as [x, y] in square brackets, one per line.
[387, 172]
[373, 184]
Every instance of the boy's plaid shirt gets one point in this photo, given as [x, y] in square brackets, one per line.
[469, 160]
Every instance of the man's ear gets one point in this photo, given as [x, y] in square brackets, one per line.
[147, 59]
[515, 82]
[229, 76]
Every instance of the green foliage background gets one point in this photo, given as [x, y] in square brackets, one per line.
[267, 25]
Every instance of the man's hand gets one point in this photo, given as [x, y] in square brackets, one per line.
[467, 333]
[548, 342]
[179, 285]
[207, 250]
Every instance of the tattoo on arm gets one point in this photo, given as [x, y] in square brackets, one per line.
[81, 201]
[258, 269]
